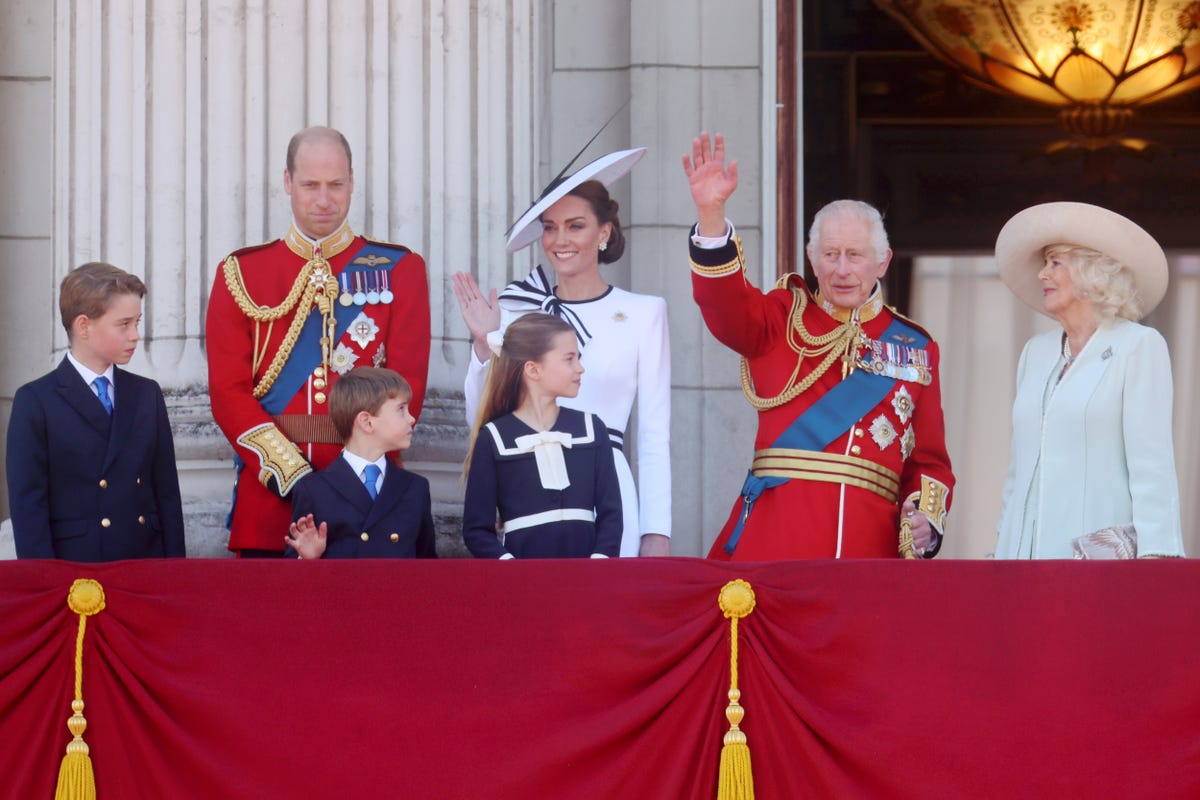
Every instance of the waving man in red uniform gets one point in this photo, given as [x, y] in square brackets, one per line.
[850, 432]
[286, 319]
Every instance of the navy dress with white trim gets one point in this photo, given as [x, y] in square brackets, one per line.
[512, 466]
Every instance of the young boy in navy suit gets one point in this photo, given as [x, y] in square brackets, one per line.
[91, 462]
[363, 505]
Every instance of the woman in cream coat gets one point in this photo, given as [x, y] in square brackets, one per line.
[1091, 445]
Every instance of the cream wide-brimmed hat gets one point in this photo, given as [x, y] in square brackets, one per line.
[1023, 238]
[605, 169]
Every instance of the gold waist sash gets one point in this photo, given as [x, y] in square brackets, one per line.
[810, 465]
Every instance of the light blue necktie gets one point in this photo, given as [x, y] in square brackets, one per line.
[101, 387]
[370, 475]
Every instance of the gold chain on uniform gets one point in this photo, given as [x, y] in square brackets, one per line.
[841, 342]
[316, 284]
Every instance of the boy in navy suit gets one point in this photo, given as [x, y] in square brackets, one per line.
[367, 507]
[91, 461]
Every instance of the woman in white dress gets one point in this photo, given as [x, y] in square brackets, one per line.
[624, 337]
[1091, 469]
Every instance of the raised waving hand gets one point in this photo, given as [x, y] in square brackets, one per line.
[711, 181]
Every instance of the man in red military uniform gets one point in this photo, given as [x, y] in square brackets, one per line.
[286, 319]
[850, 431]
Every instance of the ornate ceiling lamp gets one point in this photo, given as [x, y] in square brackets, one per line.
[1094, 61]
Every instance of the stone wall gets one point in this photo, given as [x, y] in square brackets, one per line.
[153, 136]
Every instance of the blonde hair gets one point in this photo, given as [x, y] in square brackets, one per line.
[527, 339]
[1100, 279]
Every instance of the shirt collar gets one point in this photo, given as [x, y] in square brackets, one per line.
[86, 372]
[358, 462]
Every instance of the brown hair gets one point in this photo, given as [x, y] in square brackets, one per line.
[605, 209]
[316, 133]
[363, 389]
[527, 339]
[89, 290]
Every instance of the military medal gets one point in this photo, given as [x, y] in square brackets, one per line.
[363, 330]
[386, 295]
[360, 297]
[372, 287]
[343, 359]
[345, 297]
[897, 361]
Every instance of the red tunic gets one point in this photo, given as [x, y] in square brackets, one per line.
[805, 518]
[260, 518]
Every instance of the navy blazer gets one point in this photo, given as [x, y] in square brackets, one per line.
[397, 524]
[84, 486]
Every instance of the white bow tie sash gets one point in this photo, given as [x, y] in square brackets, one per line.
[547, 448]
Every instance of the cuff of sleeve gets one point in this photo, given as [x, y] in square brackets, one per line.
[712, 242]
[933, 503]
[278, 457]
[718, 262]
[508, 557]
[598, 555]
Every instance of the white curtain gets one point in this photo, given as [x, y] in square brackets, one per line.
[981, 327]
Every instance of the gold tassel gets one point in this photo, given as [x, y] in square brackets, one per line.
[735, 781]
[76, 780]
[907, 545]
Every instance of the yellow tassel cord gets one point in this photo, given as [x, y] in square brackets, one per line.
[735, 780]
[907, 546]
[76, 781]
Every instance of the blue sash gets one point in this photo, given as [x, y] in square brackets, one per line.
[827, 419]
[306, 353]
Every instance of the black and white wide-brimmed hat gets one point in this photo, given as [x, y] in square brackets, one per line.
[1023, 238]
[606, 169]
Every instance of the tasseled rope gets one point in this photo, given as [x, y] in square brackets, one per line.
[907, 546]
[76, 780]
[735, 780]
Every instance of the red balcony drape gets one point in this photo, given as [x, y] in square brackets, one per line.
[469, 679]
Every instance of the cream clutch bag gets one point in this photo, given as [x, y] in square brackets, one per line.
[1119, 541]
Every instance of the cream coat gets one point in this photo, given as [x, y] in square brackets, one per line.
[1104, 444]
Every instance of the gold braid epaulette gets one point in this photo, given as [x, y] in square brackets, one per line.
[833, 345]
[302, 295]
[237, 288]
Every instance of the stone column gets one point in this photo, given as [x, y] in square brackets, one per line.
[697, 68]
[28, 309]
[171, 122]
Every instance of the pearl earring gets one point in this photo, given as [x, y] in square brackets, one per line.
[603, 246]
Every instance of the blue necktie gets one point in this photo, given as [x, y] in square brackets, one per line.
[101, 387]
[370, 474]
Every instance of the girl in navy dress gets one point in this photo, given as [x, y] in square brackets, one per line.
[546, 471]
